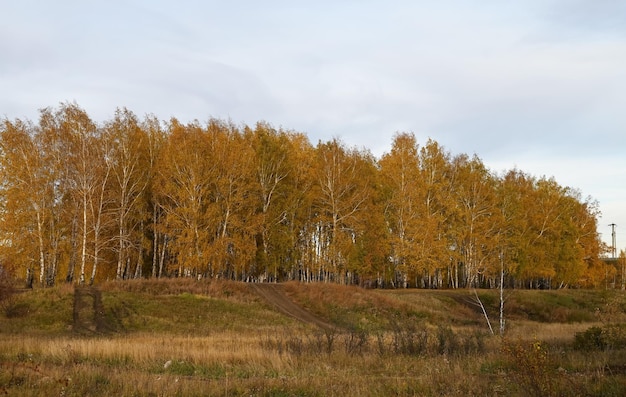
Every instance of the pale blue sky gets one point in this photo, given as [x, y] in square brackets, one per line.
[536, 84]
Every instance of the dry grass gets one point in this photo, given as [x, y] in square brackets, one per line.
[401, 343]
[176, 286]
[228, 364]
[216, 365]
[560, 333]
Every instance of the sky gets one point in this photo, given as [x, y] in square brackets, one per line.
[537, 85]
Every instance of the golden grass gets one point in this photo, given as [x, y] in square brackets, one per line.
[244, 364]
[143, 349]
[548, 332]
[223, 363]
[270, 356]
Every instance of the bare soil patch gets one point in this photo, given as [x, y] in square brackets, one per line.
[275, 295]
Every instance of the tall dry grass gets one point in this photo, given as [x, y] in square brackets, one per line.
[401, 343]
[223, 364]
[287, 363]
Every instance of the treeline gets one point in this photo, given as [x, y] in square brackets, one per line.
[131, 198]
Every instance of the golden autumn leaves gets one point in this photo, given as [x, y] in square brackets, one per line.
[137, 198]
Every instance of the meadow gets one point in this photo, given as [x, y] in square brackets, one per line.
[183, 337]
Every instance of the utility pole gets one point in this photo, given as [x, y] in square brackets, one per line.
[613, 242]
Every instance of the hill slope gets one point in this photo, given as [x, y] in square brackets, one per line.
[188, 337]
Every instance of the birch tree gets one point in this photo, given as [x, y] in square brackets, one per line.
[26, 197]
[233, 200]
[340, 201]
[183, 184]
[156, 138]
[475, 224]
[100, 201]
[275, 171]
[82, 132]
[404, 209]
[129, 166]
[437, 207]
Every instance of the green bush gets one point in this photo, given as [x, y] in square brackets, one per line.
[601, 338]
[591, 339]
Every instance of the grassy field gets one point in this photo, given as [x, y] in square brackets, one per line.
[186, 338]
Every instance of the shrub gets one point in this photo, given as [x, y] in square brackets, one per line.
[530, 367]
[591, 339]
[409, 340]
[611, 336]
[356, 341]
[447, 341]
[474, 343]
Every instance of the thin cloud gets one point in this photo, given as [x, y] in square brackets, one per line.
[534, 84]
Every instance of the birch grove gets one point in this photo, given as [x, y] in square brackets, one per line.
[82, 201]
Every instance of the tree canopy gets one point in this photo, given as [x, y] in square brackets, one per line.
[130, 198]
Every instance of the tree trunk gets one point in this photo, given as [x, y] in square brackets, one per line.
[120, 254]
[502, 321]
[155, 241]
[83, 258]
[139, 268]
[74, 243]
[95, 264]
[42, 258]
[162, 259]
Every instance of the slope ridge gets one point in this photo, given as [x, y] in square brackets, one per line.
[275, 295]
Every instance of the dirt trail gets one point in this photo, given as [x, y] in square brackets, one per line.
[275, 295]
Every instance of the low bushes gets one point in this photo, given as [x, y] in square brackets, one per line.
[402, 340]
[611, 336]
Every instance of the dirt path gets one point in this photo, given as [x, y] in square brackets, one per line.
[275, 295]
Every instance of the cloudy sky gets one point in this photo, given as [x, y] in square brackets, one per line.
[535, 84]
